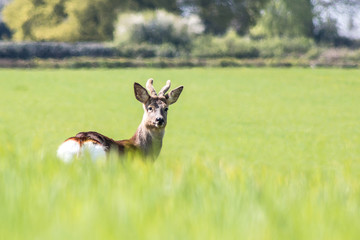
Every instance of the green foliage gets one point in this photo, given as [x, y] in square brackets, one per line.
[231, 45]
[282, 47]
[138, 50]
[144, 50]
[61, 20]
[277, 158]
[167, 50]
[286, 18]
[205, 46]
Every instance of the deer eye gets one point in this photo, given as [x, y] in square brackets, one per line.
[166, 109]
[150, 109]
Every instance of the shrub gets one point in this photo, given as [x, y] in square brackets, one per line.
[138, 50]
[313, 53]
[238, 47]
[167, 50]
[26, 50]
[207, 47]
[229, 63]
[282, 47]
[355, 55]
[157, 28]
[229, 45]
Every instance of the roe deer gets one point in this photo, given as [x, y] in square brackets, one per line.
[147, 140]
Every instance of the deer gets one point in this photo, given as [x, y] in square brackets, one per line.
[148, 138]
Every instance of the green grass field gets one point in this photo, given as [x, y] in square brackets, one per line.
[247, 154]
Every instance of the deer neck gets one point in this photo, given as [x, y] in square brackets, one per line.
[149, 141]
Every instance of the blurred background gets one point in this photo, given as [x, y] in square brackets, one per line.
[181, 32]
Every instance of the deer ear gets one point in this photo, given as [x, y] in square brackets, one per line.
[140, 93]
[173, 96]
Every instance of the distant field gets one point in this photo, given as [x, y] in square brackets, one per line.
[248, 154]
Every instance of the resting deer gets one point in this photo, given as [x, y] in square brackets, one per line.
[147, 140]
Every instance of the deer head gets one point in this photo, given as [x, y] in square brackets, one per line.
[156, 105]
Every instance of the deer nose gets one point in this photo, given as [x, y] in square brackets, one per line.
[160, 120]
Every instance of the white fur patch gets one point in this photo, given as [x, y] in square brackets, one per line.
[96, 151]
[70, 149]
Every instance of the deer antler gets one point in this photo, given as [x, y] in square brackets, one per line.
[165, 88]
[150, 87]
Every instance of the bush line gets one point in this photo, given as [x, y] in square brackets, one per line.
[82, 62]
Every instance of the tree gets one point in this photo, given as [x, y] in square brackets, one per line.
[331, 16]
[5, 32]
[287, 18]
[61, 20]
[93, 20]
[218, 15]
[169, 5]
